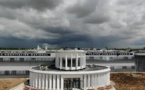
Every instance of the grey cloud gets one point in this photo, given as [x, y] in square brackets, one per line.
[83, 8]
[97, 18]
[38, 4]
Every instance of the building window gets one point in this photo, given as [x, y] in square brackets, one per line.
[21, 59]
[13, 72]
[48, 54]
[112, 67]
[7, 72]
[33, 59]
[124, 67]
[11, 59]
[132, 67]
[131, 54]
[27, 72]
[125, 57]
[69, 62]
[74, 62]
[101, 58]
[91, 58]
[110, 58]
[63, 62]
[1, 59]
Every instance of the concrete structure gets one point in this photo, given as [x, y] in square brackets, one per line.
[140, 61]
[69, 72]
[109, 55]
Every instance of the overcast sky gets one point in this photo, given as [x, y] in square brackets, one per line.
[82, 23]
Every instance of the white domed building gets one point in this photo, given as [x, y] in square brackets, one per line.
[69, 72]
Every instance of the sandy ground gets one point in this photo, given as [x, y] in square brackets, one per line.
[7, 83]
[123, 81]
[129, 81]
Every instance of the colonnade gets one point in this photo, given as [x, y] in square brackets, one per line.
[56, 82]
[46, 81]
[80, 62]
[93, 81]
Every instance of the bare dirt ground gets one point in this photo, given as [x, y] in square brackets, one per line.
[7, 83]
[128, 81]
[123, 81]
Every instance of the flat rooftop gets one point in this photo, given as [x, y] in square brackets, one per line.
[52, 68]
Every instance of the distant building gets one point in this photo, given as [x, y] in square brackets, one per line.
[18, 62]
[140, 61]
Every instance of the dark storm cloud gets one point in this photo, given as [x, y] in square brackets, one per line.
[38, 4]
[17, 43]
[83, 23]
[67, 38]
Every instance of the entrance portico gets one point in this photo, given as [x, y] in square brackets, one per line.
[72, 83]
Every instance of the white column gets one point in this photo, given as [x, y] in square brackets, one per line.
[39, 81]
[36, 80]
[101, 79]
[56, 62]
[81, 62]
[58, 78]
[54, 83]
[88, 80]
[33, 79]
[46, 85]
[92, 80]
[108, 77]
[66, 62]
[84, 61]
[62, 83]
[85, 82]
[71, 61]
[60, 63]
[77, 61]
[96, 79]
[30, 78]
[50, 82]
[43, 81]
